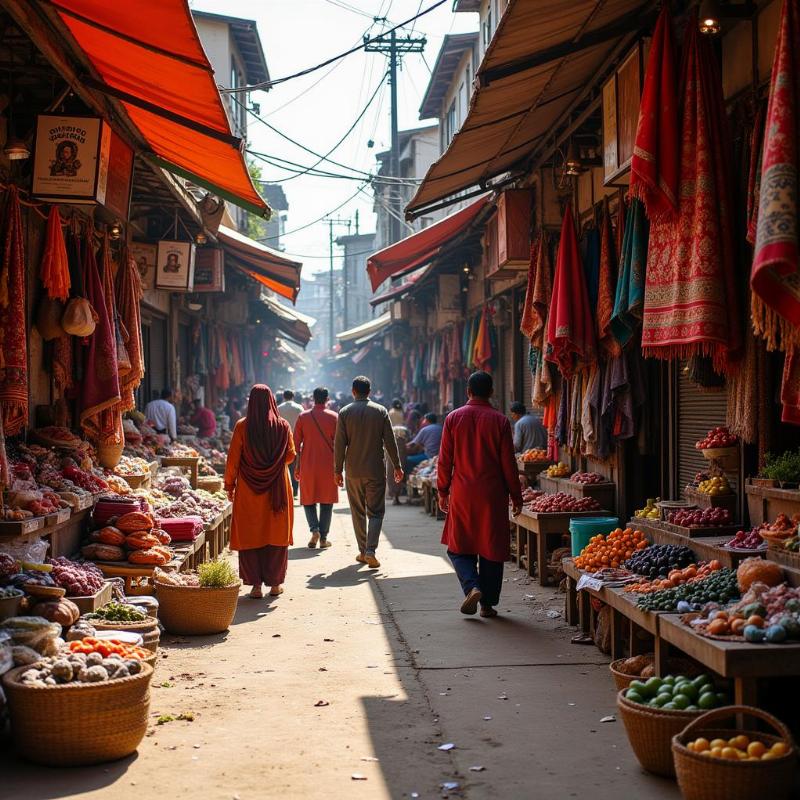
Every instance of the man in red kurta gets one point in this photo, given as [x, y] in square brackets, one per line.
[314, 433]
[477, 473]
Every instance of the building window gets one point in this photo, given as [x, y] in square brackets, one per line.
[468, 82]
[487, 25]
[451, 123]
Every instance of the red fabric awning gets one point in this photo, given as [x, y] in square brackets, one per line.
[148, 55]
[421, 247]
[269, 267]
[411, 280]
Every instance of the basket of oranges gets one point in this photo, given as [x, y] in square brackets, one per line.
[711, 763]
[610, 550]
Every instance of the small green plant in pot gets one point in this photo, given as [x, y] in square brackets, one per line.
[783, 468]
[217, 574]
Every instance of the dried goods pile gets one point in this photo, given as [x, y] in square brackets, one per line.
[79, 668]
[587, 477]
[560, 503]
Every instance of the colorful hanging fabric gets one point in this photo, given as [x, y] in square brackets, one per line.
[570, 326]
[690, 300]
[455, 366]
[606, 284]
[129, 296]
[99, 390]
[62, 364]
[222, 379]
[13, 344]
[656, 150]
[528, 320]
[590, 256]
[754, 173]
[629, 299]
[540, 286]
[54, 269]
[482, 354]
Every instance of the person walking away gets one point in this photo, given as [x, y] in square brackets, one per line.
[257, 483]
[314, 434]
[477, 473]
[426, 443]
[362, 433]
[161, 413]
[204, 420]
[396, 415]
[290, 411]
[529, 433]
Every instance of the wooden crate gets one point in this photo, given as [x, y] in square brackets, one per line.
[764, 503]
[549, 485]
[605, 493]
[702, 500]
[93, 601]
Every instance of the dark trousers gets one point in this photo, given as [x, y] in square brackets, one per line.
[292, 477]
[477, 572]
[319, 524]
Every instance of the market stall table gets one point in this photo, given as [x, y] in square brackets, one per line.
[185, 462]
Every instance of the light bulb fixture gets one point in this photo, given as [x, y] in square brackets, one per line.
[709, 18]
[573, 159]
[465, 268]
[16, 149]
[200, 238]
[115, 231]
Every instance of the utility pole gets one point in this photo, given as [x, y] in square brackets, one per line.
[393, 46]
[332, 326]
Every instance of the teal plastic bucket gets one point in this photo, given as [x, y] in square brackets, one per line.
[582, 529]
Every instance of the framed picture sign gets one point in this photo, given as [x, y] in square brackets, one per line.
[145, 255]
[175, 266]
[209, 270]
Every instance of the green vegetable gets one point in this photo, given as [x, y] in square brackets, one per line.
[720, 584]
[118, 612]
[217, 574]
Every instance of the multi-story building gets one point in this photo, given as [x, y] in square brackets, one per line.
[356, 290]
[314, 300]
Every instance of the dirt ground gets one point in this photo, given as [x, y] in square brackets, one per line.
[349, 684]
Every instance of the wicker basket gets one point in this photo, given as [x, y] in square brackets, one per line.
[144, 627]
[211, 483]
[81, 723]
[196, 611]
[109, 454]
[704, 778]
[650, 732]
[10, 605]
[675, 666]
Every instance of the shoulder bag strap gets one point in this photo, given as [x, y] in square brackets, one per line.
[319, 428]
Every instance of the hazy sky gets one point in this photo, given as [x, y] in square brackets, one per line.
[316, 110]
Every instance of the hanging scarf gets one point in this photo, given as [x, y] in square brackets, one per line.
[266, 440]
[754, 173]
[222, 378]
[99, 391]
[13, 345]
[655, 161]
[590, 256]
[629, 299]
[528, 320]
[606, 284]
[454, 368]
[62, 364]
[690, 302]
[570, 327]
[540, 286]
[482, 355]
[54, 269]
[129, 295]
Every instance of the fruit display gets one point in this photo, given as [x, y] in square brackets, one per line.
[677, 693]
[85, 480]
[780, 530]
[715, 486]
[660, 559]
[174, 485]
[117, 612]
[752, 540]
[79, 668]
[738, 748]
[676, 577]
[610, 550]
[79, 578]
[529, 494]
[559, 470]
[758, 570]
[534, 455]
[650, 510]
[716, 438]
[562, 503]
[200, 503]
[107, 648]
[62, 611]
[720, 586]
[701, 518]
[587, 477]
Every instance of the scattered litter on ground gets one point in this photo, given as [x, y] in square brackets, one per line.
[450, 786]
[502, 696]
[448, 746]
[609, 718]
[487, 718]
[477, 768]
[369, 758]
[327, 640]
[357, 776]
[321, 703]
[553, 614]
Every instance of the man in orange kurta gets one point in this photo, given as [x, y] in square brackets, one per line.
[314, 433]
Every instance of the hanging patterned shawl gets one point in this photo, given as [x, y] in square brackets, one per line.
[100, 394]
[570, 327]
[529, 318]
[129, 295]
[13, 345]
[482, 354]
[690, 303]
[754, 174]
[655, 162]
[537, 298]
[54, 269]
[606, 284]
[222, 378]
[629, 299]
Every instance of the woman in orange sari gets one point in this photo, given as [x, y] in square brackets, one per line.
[257, 482]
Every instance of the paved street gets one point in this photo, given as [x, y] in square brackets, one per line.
[361, 673]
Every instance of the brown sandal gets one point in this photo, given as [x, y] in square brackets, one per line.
[273, 593]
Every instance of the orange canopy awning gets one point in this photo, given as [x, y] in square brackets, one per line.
[148, 55]
[420, 247]
[269, 267]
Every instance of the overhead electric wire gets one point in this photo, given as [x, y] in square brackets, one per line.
[323, 64]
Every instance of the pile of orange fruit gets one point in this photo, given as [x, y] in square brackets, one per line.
[611, 550]
[738, 748]
[694, 573]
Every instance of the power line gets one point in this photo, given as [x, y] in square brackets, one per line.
[347, 7]
[321, 65]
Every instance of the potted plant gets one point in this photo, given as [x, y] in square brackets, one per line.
[783, 469]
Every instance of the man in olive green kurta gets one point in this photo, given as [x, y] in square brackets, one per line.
[363, 432]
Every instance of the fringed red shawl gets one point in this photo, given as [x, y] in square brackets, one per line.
[607, 284]
[690, 303]
[54, 269]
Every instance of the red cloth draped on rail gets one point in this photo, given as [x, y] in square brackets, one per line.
[570, 326]
[690, 303]
[13, 344]
[54, 269]
[655, 162]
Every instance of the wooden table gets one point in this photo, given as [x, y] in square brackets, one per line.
[187, 462]
[63, 537]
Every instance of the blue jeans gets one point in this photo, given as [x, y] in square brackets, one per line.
[292, 468]
[477, 572]
[413, 460]
[321, 524]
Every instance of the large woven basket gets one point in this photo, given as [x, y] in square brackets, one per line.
[704, 778]
[80, 723]
[142, 628]
[676, 666]
[650, 732]
[196, 611]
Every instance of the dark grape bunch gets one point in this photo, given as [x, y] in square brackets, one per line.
[660, 559]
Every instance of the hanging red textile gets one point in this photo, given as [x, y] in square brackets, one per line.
[690, 305]
[54, 269]
[570, 326]
[754, 175]
[540, 286]
[655, 161]
[129, 295]
[482, 352]
[222, 378]
[607, 284]
[13, 345]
